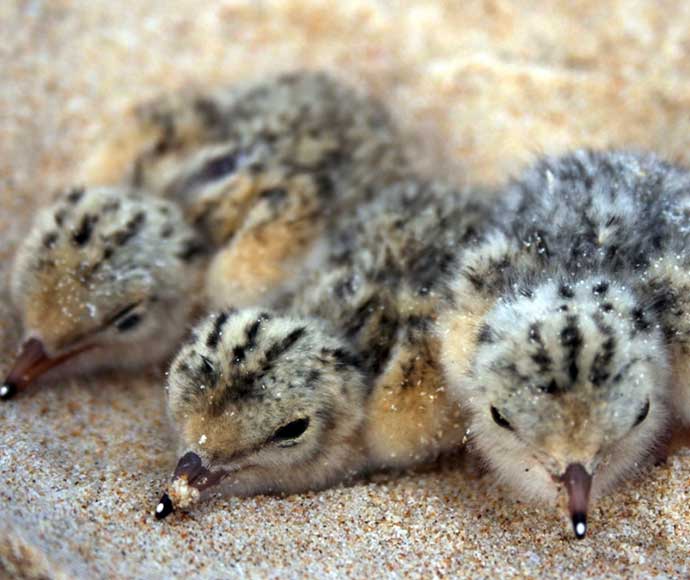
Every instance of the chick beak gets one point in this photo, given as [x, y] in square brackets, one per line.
[31, 363]
[191, 470]
[578, 484]
[165, 507]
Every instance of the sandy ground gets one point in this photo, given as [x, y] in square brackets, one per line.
[482, 87]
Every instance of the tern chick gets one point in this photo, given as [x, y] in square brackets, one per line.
[102, 281]
[200, 196]
[569, 328]
[344, 377]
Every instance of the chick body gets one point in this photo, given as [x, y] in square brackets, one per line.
[249, 179]
[349, 355]
[261, 171]
[570, 318]
[108, 262]
[386, 283]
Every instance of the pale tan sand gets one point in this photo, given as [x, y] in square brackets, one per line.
[483, 86]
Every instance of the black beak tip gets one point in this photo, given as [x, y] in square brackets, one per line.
[580, 525]
[7, 391]
[164, 507]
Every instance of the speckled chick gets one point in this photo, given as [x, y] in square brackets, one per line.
[570, 324]
[201, 198]
[261, 171]
[344, 377]
[101, 282]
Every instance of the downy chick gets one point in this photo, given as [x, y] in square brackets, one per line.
[569, 321]
[103, 272]
[251, 177]
[262, 171]
[344, 378]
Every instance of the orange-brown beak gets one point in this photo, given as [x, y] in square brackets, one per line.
[190, 468]
[31, 363]
[578, 483]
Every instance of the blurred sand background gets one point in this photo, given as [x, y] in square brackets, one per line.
[481, 87]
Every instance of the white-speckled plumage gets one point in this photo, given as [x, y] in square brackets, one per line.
[197, 199]
[349, 355]
[569, 321]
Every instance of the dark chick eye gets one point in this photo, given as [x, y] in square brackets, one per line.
[291, 430]
[643, 414]
[499, 419]
[128, 322]
[125, 319]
